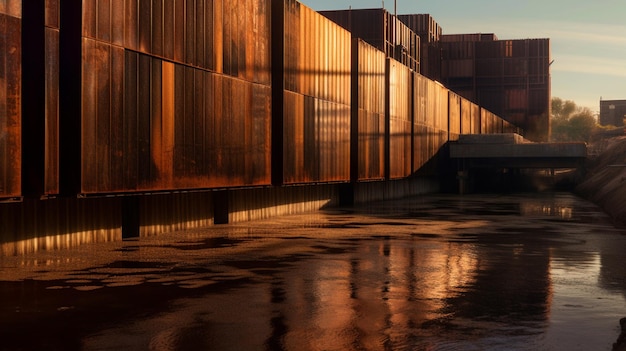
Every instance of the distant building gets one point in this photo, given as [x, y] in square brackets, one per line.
[511, 78]
[430, 33]
[612, 112]
[383, 31]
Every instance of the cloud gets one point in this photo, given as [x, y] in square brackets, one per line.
[593, 34]
[613, 67]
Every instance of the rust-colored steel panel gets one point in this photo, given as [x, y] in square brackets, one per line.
[130, 145]
[117, 124]
[431, 129]
[144, 26]
[368, 125]
[371, 141]
[52, 14]
[131, 23]
[420, 98]
[10, 98]
[157, 113]
[474, 118]
[424, 26]
[157, 30]
[400, 119]
[293, 138]
[316, 100]
[382, 30]
[454, 115]
[156, 125]
[51, 182]
[441, 107]
[466, 116]
[491, 123]
[316, 140]
[102, 78]
[90, 10]
[11, 8]
[419, 121]
[104, 19]
[317, 55]
[179, 30]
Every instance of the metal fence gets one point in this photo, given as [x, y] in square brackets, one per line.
[159, 95]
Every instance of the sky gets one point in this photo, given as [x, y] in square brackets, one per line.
[588, 38]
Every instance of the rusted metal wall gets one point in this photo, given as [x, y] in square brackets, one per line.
[431, 123]
[429, 33]
[490, 123]
[175, 95]
[316, 100]
[400, 118]
[474, 118]
[466, 116]
[420, 121]
[10, 98]
[230, 37]
[454, 116]
[51, 158]
[508, 127]
[368, 111]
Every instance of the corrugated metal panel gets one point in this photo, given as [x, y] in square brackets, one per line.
[430, 60]
[429, 33]
[10, 98]
[475, 126]
[11, 8]
[317, 55]
[51, 43]
[400, 119]
[316, 140]
[150, 124]
[51, 183]
[52, 14]
[419, 121]
[440, 130]
[466, 116]
[454, 116]
[316, 102]
[369, 85]
[490, 123]
[230, 37]
[441, 107]
[431, 111]
[424, 25]
[460, 68]
[382, 30]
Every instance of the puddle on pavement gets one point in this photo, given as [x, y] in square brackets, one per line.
[525, 272]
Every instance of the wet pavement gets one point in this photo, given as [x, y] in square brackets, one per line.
[444, 272]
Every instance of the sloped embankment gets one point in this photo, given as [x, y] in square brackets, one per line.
[605, 183]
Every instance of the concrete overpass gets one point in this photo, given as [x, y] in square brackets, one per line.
[512, 151]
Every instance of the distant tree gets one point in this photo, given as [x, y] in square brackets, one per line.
[571, 122]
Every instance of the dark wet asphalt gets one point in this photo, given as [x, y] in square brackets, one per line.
[478, 272]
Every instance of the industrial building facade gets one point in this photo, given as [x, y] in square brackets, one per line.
[612, 112]
[509, 77]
